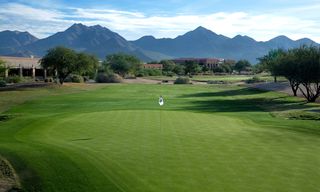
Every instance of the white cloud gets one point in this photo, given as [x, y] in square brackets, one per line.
[30, 13]
[133, 25]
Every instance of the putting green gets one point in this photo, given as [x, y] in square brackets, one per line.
[205, 138]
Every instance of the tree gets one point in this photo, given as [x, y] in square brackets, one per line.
[191, 67]
[270, 62]
[87, 64]
[205, 68]
[66, 61]
[122, 64]
[179, 69]
[218, 69]
[168, 66]
[258, 68]
[289, 68]
[242, 65]
[227, 68]
[308, 62]
[2, 67]
[301, 66]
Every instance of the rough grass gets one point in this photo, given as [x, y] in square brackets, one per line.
[205, 138]
[8, 178]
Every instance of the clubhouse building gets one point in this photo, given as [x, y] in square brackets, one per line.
[153, 66]
[24, 67]
[211, 63]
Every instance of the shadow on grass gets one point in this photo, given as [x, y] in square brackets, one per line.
[25, 86]
[237, 92]
[244, 105]
[224, 101]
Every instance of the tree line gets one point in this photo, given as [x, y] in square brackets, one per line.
[65, 61]
[192, 68]
[300, 66]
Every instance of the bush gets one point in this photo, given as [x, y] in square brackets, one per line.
[169, 74]
[48, 80]
[77, 79]
[86, 78]
[74, 79]
[148, 72]
[108, 78]
[131, 77]
[14, 79]
[254, 79]
[216, 82]
[3, 83]
[182, 80]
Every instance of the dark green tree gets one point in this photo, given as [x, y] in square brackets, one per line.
[288, 67]
[270, 62]
[87, 64]
[179, 69]
[258, 68]
[242, 65]
[168, 66]
[218, 69]
[2, 67]
[308, 63]
[123, 64]
[66, 61]
[191, 68]
[204, 68]
[227, 68]
[301, 66]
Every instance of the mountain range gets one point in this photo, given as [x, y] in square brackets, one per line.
[101, 41]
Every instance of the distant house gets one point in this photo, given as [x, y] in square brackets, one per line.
[211, 63]
[24, 67]
[153, 66]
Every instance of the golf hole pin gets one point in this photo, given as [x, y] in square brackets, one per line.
[161, 101]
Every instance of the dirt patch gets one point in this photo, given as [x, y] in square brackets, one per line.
[8, 178]
[283, 87]
[141, 81]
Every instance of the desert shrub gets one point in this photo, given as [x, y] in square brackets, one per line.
[148, 72]
[216, 82]
[14, 79]
[141, 73]
[86, 78]
[27, 79]
[108, 78]
[3, 83]
[74, 79]
[254, 79]
[169, 74]
[77, 79]
[48, 80]
[182, 80]
[131, 77]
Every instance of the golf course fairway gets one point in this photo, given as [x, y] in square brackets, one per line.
[204, 138]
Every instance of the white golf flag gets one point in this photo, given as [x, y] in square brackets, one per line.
[161, 101]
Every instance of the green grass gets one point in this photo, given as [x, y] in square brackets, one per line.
[205, 138]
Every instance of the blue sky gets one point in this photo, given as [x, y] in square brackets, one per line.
[261, 20]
